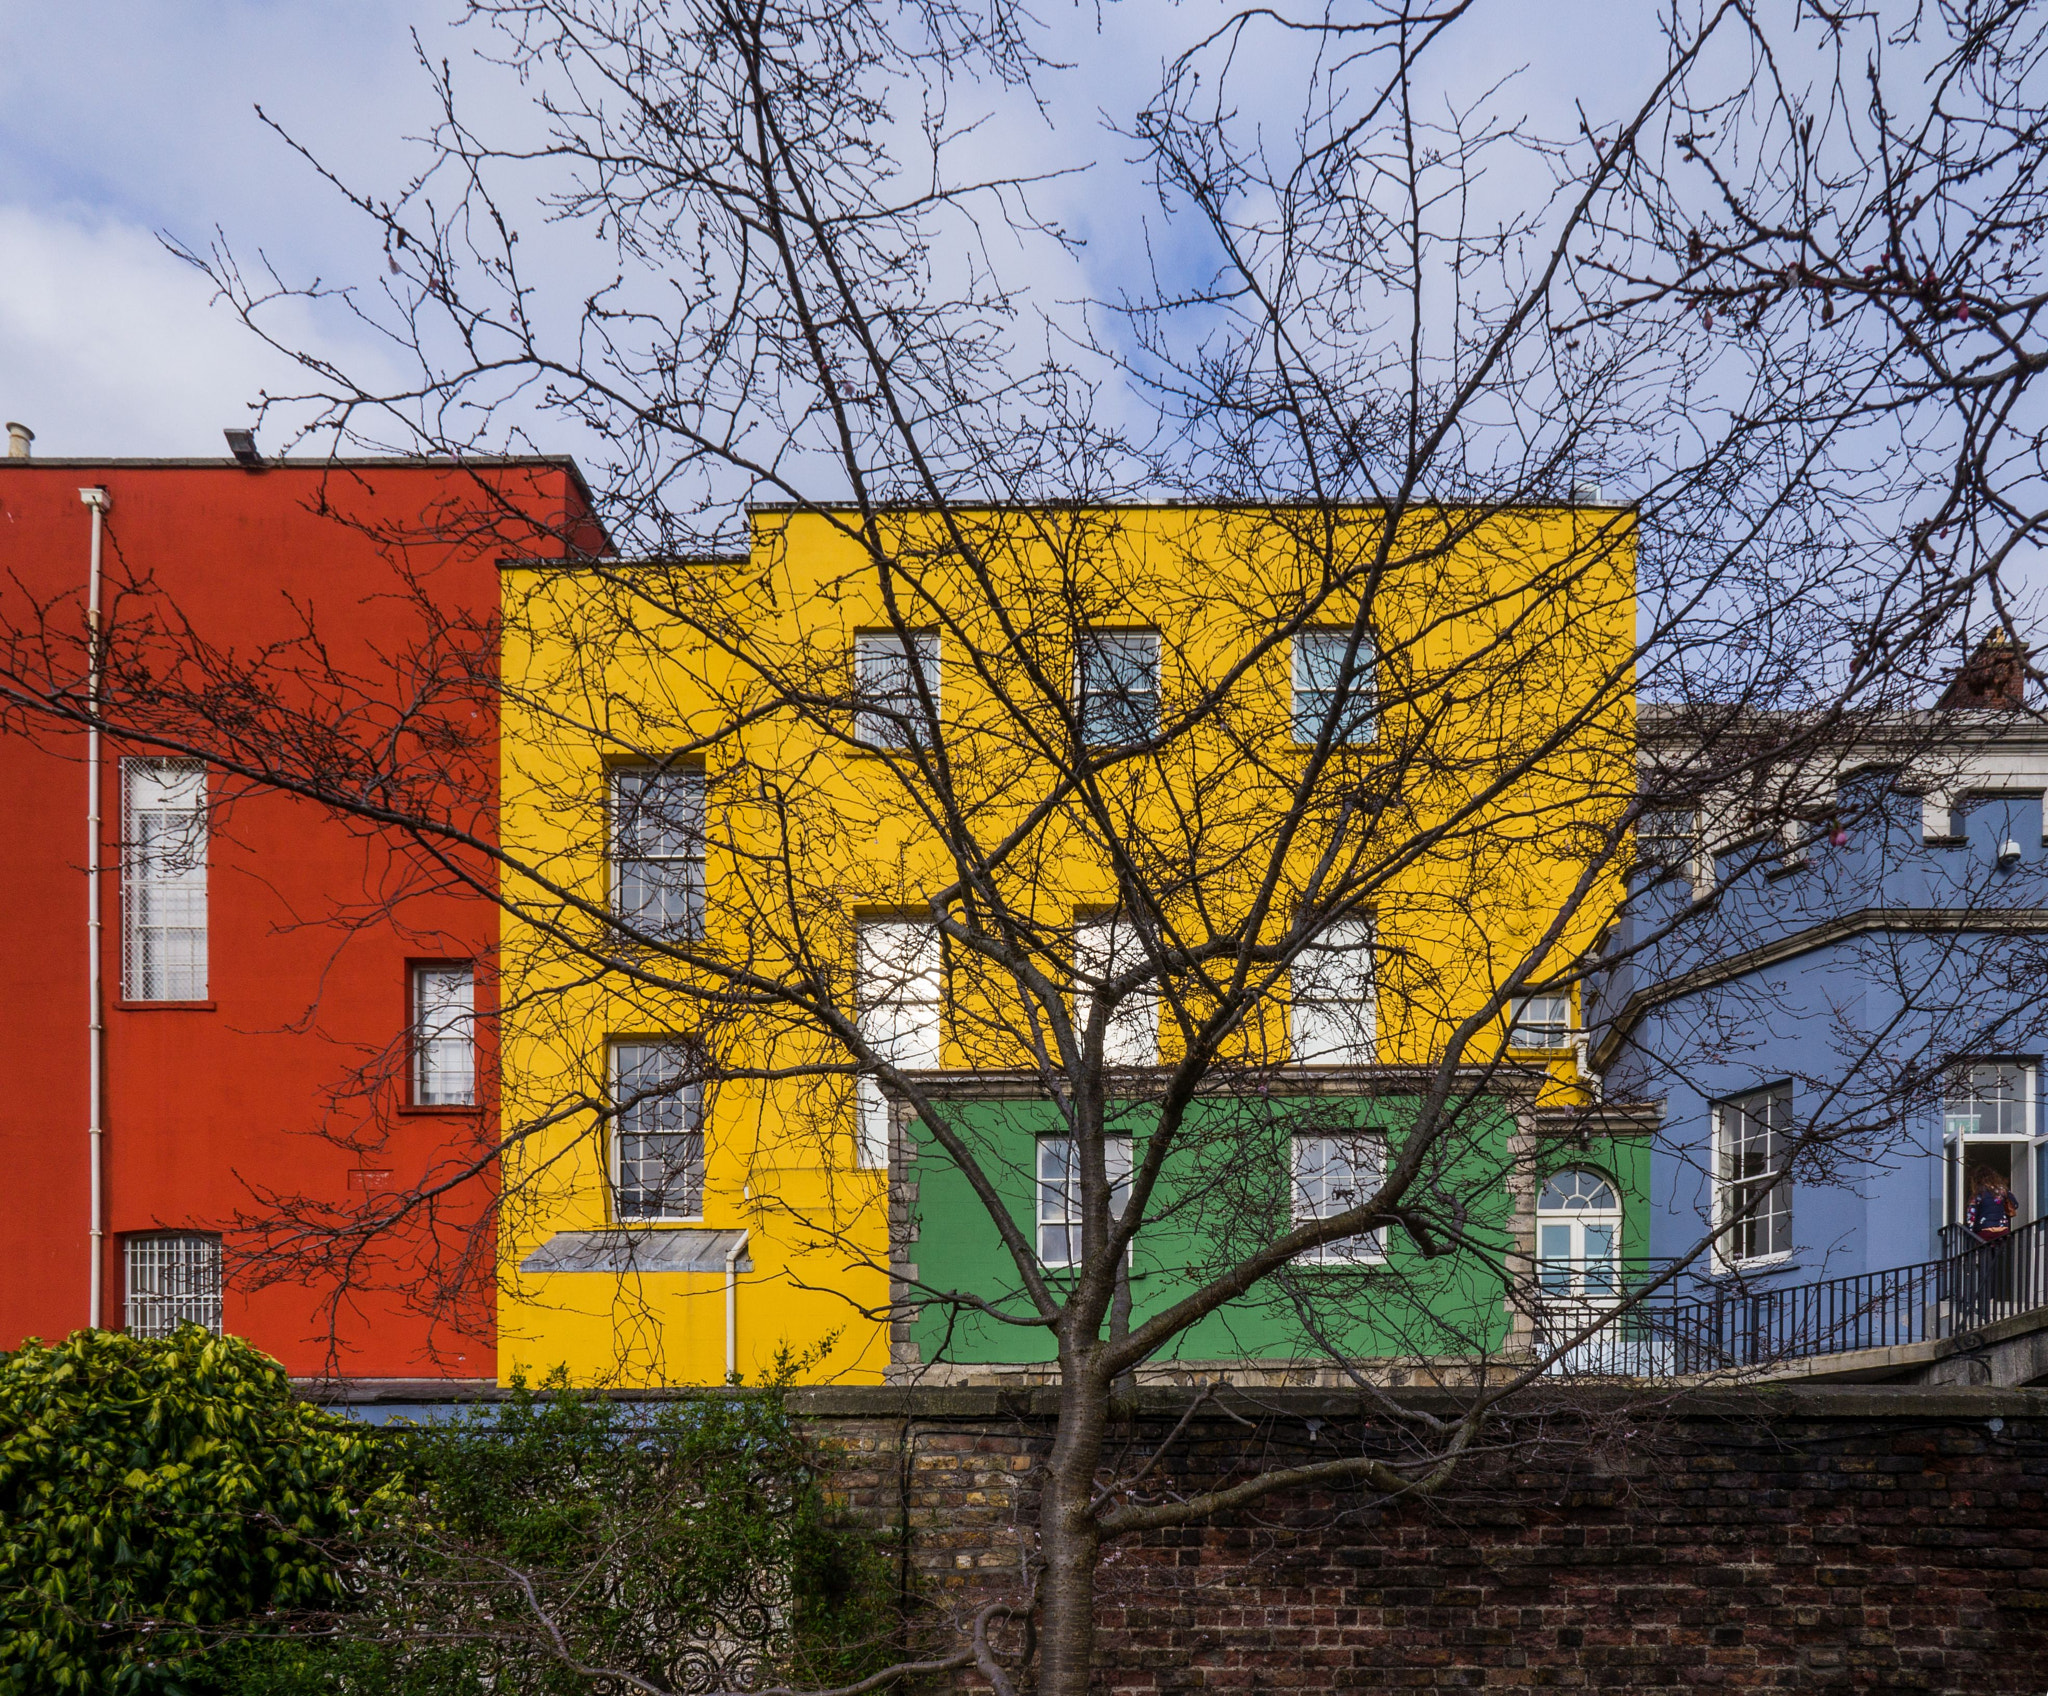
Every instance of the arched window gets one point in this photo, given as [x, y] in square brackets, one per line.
[1578, 1235]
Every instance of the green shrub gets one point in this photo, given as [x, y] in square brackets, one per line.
[154, 1494]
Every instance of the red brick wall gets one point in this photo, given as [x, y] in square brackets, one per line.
[1845, 1538]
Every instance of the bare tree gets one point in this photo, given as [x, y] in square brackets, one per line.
[1381, 355]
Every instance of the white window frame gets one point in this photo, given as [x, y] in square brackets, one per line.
[1332, 1013]
[1057, 1193]
[657, 876]
[1357, 1160]
[635, 1123]
[1108, 948]
[1316, 660]
[444, 1034]
[891, 715]
[900, 991]
[164, 843]
[1568, 1276]
[1100, 701]
[1738, 1248]
[1541, 1024]
[2020, 1131]
[170, 1279]
[1678, 826]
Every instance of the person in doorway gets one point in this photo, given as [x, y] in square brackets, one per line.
[1988, 1218]
[1990, 1213]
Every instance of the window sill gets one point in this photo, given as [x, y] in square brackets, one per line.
[411, 1108]
[165, 1006]
[1562, 1051]
[1749, 1268]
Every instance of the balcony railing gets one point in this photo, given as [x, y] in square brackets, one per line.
[1737, 1326]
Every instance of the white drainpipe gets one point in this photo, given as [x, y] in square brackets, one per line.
[732, 1306]
[97, 500]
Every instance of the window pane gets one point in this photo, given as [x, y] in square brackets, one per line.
[900, 994]
[1111, 948]
[163, 879]
[1666, 840]
[444, 1036]
[1059, 1194]
[1119, 686]
[892, 715]
[1331, 1013]
[657, 849]
[1988, 1098]
[1318, 698]
[658, 1119]
[1331, 1176]
[1755, 1132]
[1554, 1247]
[172, 1281]
[1541, 1021]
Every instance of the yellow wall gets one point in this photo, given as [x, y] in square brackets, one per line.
[1497, 636]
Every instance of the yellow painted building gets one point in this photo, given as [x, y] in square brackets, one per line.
[723, 754]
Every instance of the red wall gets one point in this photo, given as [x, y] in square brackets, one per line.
[272, 1100]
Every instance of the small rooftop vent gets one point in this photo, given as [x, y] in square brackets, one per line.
[1993, 677]
[18, 438]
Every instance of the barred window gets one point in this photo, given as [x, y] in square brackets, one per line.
[1331, 1014]
[1332, 1175]
[1541, 1021]
[1323, 696]
[886, 671]
[657, 850]
[1755, 1136]
[1059, 1194]
[163, 880]
[444, 1036]
[658, 1131]
[172, 1281]
[900, 991]
[1117, 683]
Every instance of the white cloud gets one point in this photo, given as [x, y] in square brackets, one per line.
[108, 343]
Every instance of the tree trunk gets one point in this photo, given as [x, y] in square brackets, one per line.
[1068, 1541]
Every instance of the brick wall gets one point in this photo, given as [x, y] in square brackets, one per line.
[1832, 1538]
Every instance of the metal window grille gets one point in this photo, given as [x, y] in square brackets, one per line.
[163, 880]
[658, 1135]
[1541, 1021]
[1755, 1132]
[1322, 693]
[1331, 1176]
[1110, 948]
[172, 1281]
[886, 670]
[657, 850]
[1118, 686]
[901, 991]
[1059, 1194]
[444, 1036]
[1331, 1017]
[1578, 1235]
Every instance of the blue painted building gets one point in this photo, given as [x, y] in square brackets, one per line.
[1833, 975]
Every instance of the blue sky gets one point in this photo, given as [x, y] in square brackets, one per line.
[121, 121]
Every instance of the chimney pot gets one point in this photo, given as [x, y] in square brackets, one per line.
[18, 438]
[1993, 677]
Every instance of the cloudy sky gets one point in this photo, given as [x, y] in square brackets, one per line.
[124, 121]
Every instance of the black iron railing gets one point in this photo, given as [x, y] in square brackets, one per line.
[1973, 1285]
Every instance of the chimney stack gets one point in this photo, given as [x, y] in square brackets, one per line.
[18, 438]
[1994, 677]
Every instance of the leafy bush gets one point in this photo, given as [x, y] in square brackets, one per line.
[153, 1493]
[684, 1542]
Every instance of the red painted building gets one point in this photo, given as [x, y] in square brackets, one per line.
[295, 1005]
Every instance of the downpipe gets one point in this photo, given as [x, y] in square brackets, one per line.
[97, 501]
